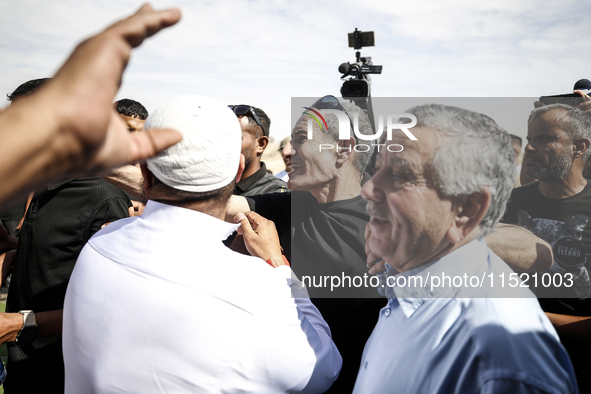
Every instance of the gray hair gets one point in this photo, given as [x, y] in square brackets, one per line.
[575, 122]
[474, 153]
[360, 159]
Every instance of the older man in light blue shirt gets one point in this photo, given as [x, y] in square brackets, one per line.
[458, 319]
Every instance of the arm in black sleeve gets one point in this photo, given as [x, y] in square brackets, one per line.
[277, 208]
[112, 209]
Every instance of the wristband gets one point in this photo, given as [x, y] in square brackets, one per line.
[277, 261]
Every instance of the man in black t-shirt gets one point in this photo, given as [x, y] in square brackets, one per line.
[321, 226]
[558, 209]
[564, 224]
[61, 219]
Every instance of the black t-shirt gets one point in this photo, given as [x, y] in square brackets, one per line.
[276, 207]
[12, 216]
[564, 224]
[59, 222]
[328, 239]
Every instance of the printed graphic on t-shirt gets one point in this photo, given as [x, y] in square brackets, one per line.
[570, 253]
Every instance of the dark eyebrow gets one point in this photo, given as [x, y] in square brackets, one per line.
[400, 164]
[298, 131]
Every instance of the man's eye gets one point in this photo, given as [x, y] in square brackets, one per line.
[401, 178]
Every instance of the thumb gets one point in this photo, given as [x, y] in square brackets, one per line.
[245, 227]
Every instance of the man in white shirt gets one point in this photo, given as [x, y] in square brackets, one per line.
[158, 304]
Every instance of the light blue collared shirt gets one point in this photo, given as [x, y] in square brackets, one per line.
[463, 339]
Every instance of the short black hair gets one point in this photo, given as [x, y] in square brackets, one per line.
[129, 107]
[266, 122]
[27, 88]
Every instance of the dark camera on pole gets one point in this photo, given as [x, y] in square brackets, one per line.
[356, 69]
[357, 85]
[356, 75]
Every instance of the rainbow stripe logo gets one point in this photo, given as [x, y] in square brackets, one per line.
[315, 118]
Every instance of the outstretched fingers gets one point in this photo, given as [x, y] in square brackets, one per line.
[145, 23]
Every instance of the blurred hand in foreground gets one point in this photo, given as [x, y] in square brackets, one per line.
[75, 129]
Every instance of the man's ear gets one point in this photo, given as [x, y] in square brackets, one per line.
[345, 150]
[241, 167]
[580, 146]
[469, 214]
[148, 179]
[262, 143]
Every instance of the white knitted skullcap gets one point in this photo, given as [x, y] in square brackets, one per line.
[207, 157]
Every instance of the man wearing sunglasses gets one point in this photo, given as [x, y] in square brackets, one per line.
[255, 138]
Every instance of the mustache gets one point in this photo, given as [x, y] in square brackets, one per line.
[377, 210]
[535, 156]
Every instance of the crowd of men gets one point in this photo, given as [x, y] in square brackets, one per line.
[155, 253]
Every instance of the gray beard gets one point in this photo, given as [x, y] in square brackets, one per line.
[554, 170]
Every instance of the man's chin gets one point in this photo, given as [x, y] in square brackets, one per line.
[293, 184]
[380, 248]
[532, 172]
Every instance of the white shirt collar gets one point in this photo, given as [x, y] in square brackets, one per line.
[205, 225]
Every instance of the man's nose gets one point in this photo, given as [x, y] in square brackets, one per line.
[371, 190]
[288, 150]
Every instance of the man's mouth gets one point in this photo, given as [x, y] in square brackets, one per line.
[533, 159]
[379, 221]
[377, 216]
[294, 167]
[379, 225]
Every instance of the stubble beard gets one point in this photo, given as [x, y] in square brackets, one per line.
[552, 170]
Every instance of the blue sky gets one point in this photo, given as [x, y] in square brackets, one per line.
[265, 52]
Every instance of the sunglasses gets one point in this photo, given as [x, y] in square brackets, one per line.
[243, 110]
[331, 102]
